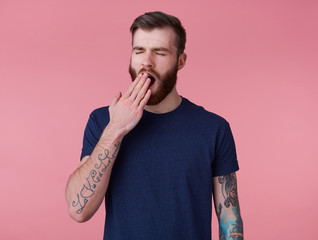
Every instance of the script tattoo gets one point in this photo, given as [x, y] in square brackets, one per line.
[94, 178]
[232, 228]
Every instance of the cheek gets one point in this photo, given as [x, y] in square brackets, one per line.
[167, 67]
[168, 63]
[162, 65]
[135, 63]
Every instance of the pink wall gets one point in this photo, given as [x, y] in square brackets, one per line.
[253, 62]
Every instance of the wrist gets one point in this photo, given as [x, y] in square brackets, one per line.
[111, 131]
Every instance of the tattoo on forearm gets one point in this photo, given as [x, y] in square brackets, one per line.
[94, 178]
[229, 189]
[230, 228]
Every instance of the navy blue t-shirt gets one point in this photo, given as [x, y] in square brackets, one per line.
[161, 182]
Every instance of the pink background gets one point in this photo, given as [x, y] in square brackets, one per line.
[252, 62]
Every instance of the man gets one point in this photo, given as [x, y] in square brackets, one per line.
[155, 156]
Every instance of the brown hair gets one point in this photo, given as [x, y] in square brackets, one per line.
[151, 20]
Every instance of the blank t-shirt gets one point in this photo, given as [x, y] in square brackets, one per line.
[161, 182]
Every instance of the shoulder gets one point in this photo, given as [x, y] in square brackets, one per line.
[199, 113]
[102, 111]
[99, 117]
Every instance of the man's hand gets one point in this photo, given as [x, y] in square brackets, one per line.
[87, 186]
[126, 110]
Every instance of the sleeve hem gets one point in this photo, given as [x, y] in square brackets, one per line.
[227, 170]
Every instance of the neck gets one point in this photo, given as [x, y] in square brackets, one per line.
[170, 103]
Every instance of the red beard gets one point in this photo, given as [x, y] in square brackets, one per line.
[166, 83]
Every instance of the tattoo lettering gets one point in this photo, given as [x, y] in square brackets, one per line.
[94, 178]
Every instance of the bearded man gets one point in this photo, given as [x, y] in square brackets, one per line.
[156, 157]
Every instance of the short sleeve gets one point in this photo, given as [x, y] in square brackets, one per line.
[225, 160]
[95, 126]
[90, 138]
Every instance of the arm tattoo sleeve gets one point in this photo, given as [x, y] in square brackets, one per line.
[230, 228]
[94, 178]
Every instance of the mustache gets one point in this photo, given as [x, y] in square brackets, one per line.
[149, 71]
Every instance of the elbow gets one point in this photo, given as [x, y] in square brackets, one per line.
[78, 217]
[79, 214]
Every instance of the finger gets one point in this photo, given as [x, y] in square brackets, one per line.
[139, 86]
[143, 91]
[116, 99]
[144, 100]
[132, 86]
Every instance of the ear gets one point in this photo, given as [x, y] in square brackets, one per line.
[182, 60]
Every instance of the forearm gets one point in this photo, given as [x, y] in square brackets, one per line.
[87, 186]
[230, 223]
[227, 207]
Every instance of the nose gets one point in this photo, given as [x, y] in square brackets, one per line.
[147, 61]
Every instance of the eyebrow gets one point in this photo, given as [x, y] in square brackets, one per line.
[161, 49]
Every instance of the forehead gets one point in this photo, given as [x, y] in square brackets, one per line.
[158, 37]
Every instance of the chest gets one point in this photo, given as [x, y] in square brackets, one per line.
[156, 151]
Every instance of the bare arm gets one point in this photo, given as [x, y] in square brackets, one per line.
[227, 207]
[87, 186]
